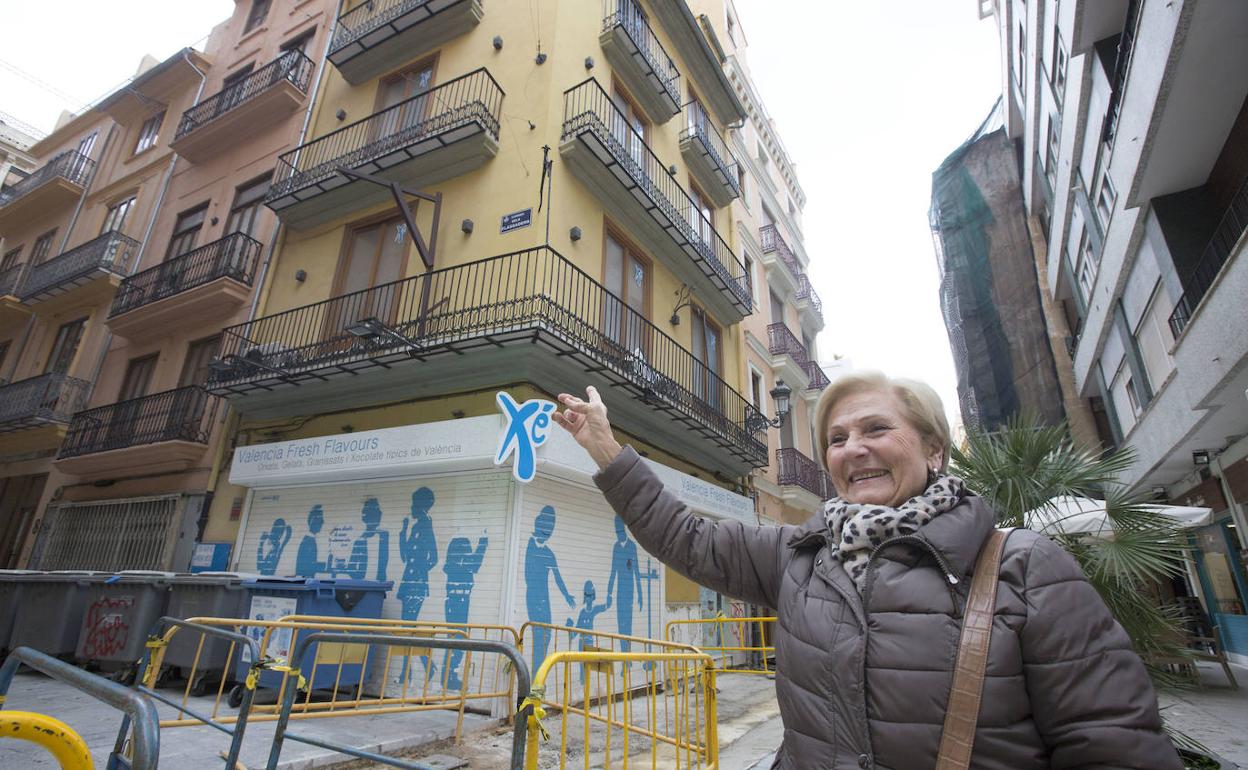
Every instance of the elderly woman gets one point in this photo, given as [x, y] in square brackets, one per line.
[870, 594]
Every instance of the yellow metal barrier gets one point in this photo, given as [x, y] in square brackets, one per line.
[344, 679]
[65, 745]
[739, 645]
[639, 709]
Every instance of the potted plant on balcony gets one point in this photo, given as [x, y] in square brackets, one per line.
[1025, 465]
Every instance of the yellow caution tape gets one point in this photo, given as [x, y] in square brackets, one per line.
[253, 674]
[292, 671]
[534, 699]
[155, 643]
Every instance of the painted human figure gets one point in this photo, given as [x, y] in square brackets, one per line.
[373, 544]
[418, 549]
[539, 565]
[277, 538]
[461, 567]
[624, 567]
[306, 562]
[585, 618]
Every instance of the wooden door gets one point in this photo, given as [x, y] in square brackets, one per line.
[374, 258]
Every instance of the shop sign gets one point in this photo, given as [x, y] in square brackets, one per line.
[526, 427]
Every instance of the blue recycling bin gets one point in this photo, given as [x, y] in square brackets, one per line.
[272, 598]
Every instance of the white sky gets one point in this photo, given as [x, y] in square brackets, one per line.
[869, 97]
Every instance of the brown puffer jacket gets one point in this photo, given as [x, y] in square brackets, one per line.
[863, 682]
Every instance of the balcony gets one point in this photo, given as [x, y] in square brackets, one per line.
[788, 356]
[818, 380]
[259, 100]
[709, 159]
[527, 316]
[205, 284]
[785, 273]
[40, 408]
[700, 54]
[11, 306]
[803, 482]
[639, 60]
[161, 432]
[437, 134]
[381, 35]
[1197, 282]
[92, 269]
[615, 163]
[58, 184]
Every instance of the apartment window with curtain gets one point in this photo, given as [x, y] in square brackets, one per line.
[259, 12]
[65, 347]
[1153, 338]
[248, 201]
[186, 231]
[42, 249]
[149, 134]
[115, 219]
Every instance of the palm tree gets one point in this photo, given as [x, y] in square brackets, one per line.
[1025, 465]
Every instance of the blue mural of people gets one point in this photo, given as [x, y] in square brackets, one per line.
[585, 619]
[307, 564]
[372, 546]
[461, 566]
[418, 548]
[625, 576]
[277, 538]
[539, 565]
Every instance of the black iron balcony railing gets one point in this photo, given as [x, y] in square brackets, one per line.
[698, 125]
[782, 342]
[773, 241]
[71, 164]
[46, 398]
[587, 107]
[111, 251]
[10, 279]
[475, 97]
[292, 66]
[371, 16]
[796, 469]
[818, 379]
[1122, 64]
[184, 414]
[520, 296]
[234, 256]
[1216, 252]
[628, 15]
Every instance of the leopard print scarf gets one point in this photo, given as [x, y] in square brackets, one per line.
[856, 529]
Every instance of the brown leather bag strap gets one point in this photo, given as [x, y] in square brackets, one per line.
[967, 690]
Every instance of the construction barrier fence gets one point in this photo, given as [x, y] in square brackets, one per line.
[737, 645]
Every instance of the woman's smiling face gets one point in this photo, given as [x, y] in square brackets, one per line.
[875, 456]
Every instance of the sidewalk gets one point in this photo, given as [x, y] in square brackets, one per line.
[1214, 714]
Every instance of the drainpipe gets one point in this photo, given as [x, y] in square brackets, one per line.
[279, 229]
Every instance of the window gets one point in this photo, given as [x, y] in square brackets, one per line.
[777, 309]
[87, 143]
[404, 88]
[1086, 269]
[4, 353]
[259, 11]
[763, 159]
[1059, 70]
[138, 377]
[1122, 391]
[792, 209]
[65, 347]
[185, 231]
[626, 274]
[706, 349]
[149, 133]
[115, 220]
[1105, 201]
[375, 254]
[198, 354]
[233, 91]
[301, 42]
[756, 389]
[629, 127]
[1050, 153]
[702, 217]
[10, 259]
[248, 201]
[749, 279]
[741, 185]
[1153, 338]
[42, 248]
[1020, 54]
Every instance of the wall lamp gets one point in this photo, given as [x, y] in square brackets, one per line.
[780, 395]
[1200, 457]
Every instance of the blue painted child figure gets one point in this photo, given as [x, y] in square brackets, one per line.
[585, 619]
[461, 566]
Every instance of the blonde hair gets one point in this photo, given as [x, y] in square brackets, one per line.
[921, 407]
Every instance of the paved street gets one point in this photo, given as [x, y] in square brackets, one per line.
[1214, 714]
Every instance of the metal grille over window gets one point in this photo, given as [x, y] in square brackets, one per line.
[137, 533]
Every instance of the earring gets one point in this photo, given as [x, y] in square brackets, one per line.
[931, 476]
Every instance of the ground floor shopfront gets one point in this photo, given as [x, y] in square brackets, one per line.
[463, 539]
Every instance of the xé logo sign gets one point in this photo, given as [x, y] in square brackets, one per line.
[524, 432]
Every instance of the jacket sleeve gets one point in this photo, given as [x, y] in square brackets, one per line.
[1091, 696]
[730, 557]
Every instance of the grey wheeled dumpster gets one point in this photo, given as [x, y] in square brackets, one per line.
[120, 611]
[12, 585]
[204, 595]
[49, 616]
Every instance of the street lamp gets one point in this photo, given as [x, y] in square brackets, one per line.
[780, 395]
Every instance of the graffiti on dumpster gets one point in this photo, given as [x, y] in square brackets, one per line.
[106, 629]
